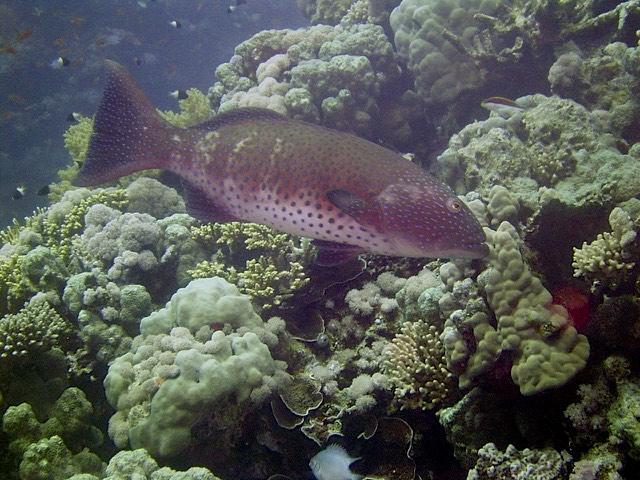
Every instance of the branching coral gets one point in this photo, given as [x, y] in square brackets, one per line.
[416, 364]
[608, 260]
[193, 110]
[34, 329]
[266, 265]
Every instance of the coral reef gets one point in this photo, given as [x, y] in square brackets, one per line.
[544, 464]
[206, 348]
[416, 365]
[608, 260]
[115, 302]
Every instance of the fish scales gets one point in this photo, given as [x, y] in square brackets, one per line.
[258, 166]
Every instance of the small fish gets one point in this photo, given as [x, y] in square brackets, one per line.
[23, 35]
[19, 192]
[231, 8]
[178, 94]
[59, 63]
[175, 24]
[137, 61]
[77, 21]
[8, 49]
[74, 117]
[505, 107]
[17, 99]
[45, 190]
[333, 463]
[256, 165]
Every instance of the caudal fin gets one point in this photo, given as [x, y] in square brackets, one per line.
[128, 134]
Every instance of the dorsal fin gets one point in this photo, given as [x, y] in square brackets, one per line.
[238, 115]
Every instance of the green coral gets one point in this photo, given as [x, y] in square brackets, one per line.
[69, 418]
[416, 364]
[34, 329]
[60, 236]
[76, 139]
[193, 110]
[260, 261]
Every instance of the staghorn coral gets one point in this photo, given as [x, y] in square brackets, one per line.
[76, 139]
[416, 365]
[608, 260]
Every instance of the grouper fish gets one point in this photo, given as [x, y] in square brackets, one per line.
[255, 165]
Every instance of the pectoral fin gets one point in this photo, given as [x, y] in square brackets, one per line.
[348, 202]
[331, 253]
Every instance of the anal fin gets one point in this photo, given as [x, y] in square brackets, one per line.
[200, 206]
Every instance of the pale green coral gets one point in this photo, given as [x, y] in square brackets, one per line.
[549, 350]
[34, 329]
[608, 260]
[264, 264]
[193, 110]
[416, 365]
[76, 139]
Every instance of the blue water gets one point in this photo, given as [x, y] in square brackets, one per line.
[35, 99]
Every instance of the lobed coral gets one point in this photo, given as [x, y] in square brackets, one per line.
[207, 349]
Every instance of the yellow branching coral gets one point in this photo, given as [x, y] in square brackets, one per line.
[608, 260]
[193, 110]
[262, 263]
[416, 365]
[76, 139]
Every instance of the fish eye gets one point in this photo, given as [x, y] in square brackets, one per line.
[454, 205]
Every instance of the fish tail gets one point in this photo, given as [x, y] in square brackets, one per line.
[128, 134]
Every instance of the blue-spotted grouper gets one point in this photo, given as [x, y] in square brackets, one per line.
[255, 165]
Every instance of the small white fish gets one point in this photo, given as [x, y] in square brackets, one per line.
[175, 24]
[178, 94]
[59, 63]
[505, 107]
[19, 192]
[333, 463]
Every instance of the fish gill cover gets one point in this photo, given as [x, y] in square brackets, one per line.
[138, 330]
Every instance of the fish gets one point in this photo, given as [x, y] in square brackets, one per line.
[333, 463]
[74, 117]
[44, 190]
[19, 192]
[175, 24]
[23, 35]
[59, 63]
[505, 107]
[178, 94]
[255, 165]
